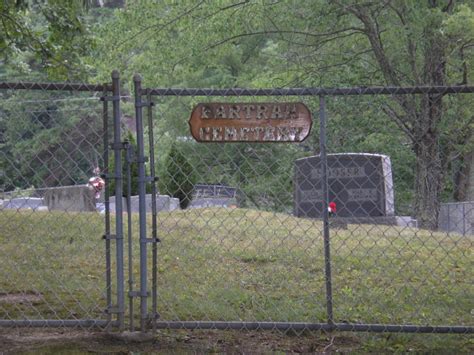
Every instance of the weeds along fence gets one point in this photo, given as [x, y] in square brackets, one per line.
[337, 232]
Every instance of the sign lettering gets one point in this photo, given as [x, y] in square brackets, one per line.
[250, 122]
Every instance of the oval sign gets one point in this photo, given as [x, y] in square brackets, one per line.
[250, 122]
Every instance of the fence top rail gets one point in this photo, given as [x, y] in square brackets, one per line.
[55, 86]
[363, 90]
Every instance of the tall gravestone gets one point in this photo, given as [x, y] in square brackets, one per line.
[359, 183]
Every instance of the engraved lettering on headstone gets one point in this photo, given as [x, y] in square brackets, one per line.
[340, 173]
[311, 195]
[362, 194]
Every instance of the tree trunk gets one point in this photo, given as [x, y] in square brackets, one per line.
[429, 166]
[464, 179]
[430, 161]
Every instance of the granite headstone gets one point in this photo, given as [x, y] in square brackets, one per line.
[213, 196]
[359, 183]
[33, 203]
[457, 217]
[77, 198]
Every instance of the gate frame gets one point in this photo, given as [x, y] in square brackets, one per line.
[117, 146]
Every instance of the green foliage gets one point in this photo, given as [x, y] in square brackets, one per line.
[178, 178]
[49, 36]
[267, 44]
[48, 140]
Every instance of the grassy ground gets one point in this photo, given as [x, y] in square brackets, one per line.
[248, 265]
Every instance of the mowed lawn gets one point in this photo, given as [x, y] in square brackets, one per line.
[238, 264]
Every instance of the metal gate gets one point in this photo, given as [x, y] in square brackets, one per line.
[217, 235]
[58, 267]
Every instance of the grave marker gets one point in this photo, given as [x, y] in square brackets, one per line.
[359, 183]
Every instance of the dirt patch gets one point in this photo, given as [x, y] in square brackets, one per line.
[21, 297]
[79, 341]
[60, 341]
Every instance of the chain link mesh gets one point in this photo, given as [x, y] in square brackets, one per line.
[52, 254]
[241, 226]
[259, 255]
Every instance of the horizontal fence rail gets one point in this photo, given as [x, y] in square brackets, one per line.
[386, 90]
[55, 86]
[343, 327]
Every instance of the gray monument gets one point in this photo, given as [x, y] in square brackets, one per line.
[77, 198]
[213, 196]
[359, 183]
[457, 217]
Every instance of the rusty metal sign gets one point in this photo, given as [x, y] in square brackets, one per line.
[250, 122]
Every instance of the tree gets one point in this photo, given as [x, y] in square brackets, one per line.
[50, 36]
[420, 119]
[178, 179]
[320, 43]
[48, 140]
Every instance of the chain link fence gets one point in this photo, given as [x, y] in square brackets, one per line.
[341, 231]
[52, 252]
[251, 249]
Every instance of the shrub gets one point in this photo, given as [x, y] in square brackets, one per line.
[179, 178]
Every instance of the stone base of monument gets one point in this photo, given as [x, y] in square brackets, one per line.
[164, 203]
[337, 223]
[30, 203]
[213, 202]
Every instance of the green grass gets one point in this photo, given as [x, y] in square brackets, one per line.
[237, 264]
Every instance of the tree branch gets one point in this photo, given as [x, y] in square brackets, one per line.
[411, 45]
[160, 27]
[401, 121]
[270, 32]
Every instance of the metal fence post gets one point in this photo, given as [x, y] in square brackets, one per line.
[118, 198]
[154, 211]
[105, 174]
[141, 202]
[463, 218]
[129, 158]
[324, 182]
